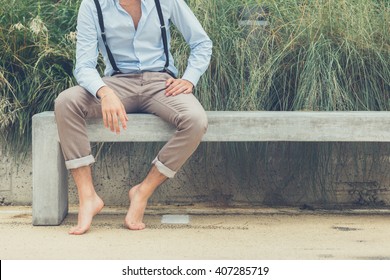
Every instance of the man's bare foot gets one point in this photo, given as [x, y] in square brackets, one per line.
[135, 215]
[87, 210]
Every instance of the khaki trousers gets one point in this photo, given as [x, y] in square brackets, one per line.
[144, 93]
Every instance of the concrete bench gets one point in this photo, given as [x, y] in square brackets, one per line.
[50, 185]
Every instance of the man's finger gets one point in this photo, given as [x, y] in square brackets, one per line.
[169, 81]
[181, 88]
[115, 123]
[177, 91]
[123, 118]
[173, 88]
[105, 119]
[109, 120]
[124, 112]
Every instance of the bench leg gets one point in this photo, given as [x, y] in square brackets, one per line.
[50, 177]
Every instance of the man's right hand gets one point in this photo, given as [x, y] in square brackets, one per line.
[113, 110]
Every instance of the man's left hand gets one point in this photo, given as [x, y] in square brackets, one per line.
[178, 86]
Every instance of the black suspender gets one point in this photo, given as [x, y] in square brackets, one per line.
[101, 24]
[163, 35]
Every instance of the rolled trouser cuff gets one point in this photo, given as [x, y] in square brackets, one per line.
[79, 162]
[163, 169]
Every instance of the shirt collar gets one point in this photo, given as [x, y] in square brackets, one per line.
[147, 3]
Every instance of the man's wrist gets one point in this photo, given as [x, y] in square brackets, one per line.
[101, 97]
[103, 92]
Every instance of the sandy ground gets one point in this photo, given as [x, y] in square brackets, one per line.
[269, 234]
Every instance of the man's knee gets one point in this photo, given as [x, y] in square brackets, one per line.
[67, 100]
[196, 122]
[62, 101]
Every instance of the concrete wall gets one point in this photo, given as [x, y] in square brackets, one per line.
[15, 179]
[273, 174]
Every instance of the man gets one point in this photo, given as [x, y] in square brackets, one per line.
[134, 37]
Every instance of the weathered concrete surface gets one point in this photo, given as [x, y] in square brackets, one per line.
[276, 234]
[231, 126]
[50, 177]
[15, 178]
[299, 174]
[274, 174]
[50, 191]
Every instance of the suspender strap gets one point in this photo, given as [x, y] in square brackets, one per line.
[101, 24]
[163, 33]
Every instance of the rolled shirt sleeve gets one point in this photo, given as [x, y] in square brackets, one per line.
[197, 39]
[87, 51]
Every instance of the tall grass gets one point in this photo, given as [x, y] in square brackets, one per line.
[313, 55]
[37, 51]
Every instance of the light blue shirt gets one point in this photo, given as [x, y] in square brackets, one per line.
[138, 50]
